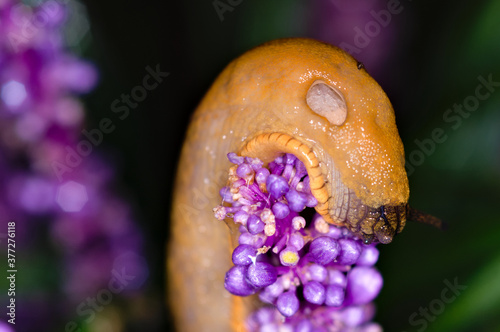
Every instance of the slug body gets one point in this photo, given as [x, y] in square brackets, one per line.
[294, 96]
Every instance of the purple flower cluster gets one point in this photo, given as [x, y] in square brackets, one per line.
[313, 275]
[89, 229]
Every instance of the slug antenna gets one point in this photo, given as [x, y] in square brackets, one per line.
[419, 216]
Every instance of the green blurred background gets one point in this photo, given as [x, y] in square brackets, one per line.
[427, 58]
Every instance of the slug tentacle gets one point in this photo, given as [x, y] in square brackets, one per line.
[419, 216]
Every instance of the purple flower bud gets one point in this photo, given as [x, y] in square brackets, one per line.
[280, 159]
[314, 292]
[280, 210]
[306, 187]
[317, 272]
[304, 326]
[240, 217]
[321, 226]
[276, 167]
[288, 303]
[266, 297]
[275, 289]
[311, 201]
[271, 292]
[255, 241]
[255, 163]
[296, 240]
[261, 175]
[336, 277]
[298, 223]
[296, 201]
[235, 159]
[265, 315]
[289, 159]
[363, 285]
[349, 251]
[226, 194]
[334, 295]
[368, 257]
[243, 254]
[300, 168]
[355, 316]
[287, 172]
[335, 232]
[324, 250]
[276, 186]
[244, 171]
[289, 256]
[236, 282]
[255, 225]
[262, 274]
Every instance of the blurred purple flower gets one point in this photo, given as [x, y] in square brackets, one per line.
[41, 119]
[365, 29]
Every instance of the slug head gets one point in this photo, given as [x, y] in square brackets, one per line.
[314, 100]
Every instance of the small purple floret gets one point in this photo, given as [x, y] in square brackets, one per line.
[334, 295]
[226, 194]
[262, 274]
[236, 282]
[277, 186]
[261, 175]
[275, 289]
[304, 326]
[368, 257]
[244, 171]
[324, 250]
[255, 225]
[318, 272]
[355, 316]
[255, 241]
[243, 254]
[240, 217]
[280, 210]
[235, 159]
[289, 256]
[296, 240]
[288, 303]
[296, 200]
[314, 292]
[349, 251]
[363, 284]
[336, 277]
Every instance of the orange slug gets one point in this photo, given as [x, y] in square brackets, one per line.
[295, 96]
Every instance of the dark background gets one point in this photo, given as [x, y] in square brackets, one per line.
[427, 59]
